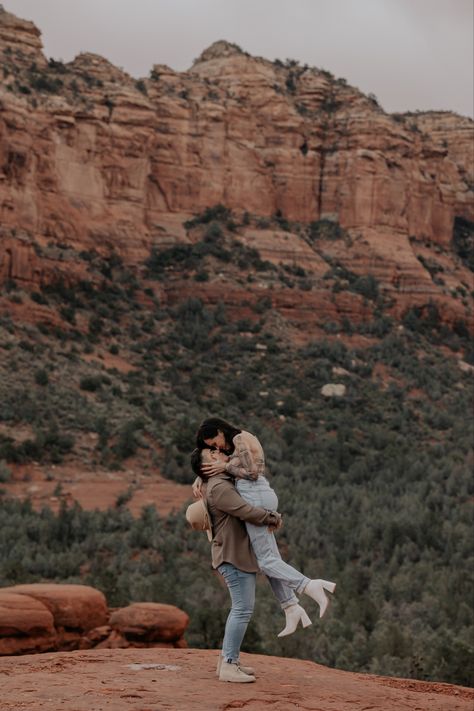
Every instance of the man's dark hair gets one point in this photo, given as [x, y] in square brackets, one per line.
[210, 427]
[196, 461]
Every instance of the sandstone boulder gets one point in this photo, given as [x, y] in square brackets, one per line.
[333, 390]
[150, 622]
[76, 607]
[114, 640]
[95, 637]
[26, 625]
[45, 616]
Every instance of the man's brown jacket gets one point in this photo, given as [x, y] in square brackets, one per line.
[228, 511]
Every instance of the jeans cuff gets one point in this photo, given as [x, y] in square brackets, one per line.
[288, 603]
[301, 587]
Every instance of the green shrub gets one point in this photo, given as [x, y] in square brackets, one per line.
[366, 286]
[127, 442]
[57, 66]
[180, 254]
[44, 83]
[463, 240]
[96, 325]
[325, 229]
[213, 233]
[281, 221]
[217, 212]
[5, 472]
[48, 446]
[141, 86]
[41, 377]
[91, 383]
[290, 83]
[124, 497]
[38, 297]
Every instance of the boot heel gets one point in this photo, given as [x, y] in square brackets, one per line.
[327, 585]
[316, 588]
[294, 615]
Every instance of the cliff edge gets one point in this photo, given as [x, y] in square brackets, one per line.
[184, 679]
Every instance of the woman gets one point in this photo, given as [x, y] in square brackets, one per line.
[247, 464]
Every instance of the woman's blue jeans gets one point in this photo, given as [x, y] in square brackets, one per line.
[242, 593]
[283, 578]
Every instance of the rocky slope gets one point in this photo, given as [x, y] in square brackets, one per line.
[92, 159]
[185, 679]
[94, 487]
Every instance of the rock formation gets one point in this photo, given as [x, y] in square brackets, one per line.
[26, 625]
[43, 616]
[119, 680]
[147, 622]
[92, 159]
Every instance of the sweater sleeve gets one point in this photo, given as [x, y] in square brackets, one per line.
[226, 498]
[234, 467]
[243, 464]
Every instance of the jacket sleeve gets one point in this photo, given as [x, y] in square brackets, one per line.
[226, 498]
[243, 465]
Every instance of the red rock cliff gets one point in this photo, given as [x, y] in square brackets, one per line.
[89, 157]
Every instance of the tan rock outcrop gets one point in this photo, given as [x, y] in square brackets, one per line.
[451, 133]
[19, 262]
[333, 390]
[20, 38]
[150, 622]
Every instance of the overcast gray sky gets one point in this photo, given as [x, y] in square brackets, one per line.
[412, 54]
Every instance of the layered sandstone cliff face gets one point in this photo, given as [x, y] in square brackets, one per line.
[91, 158]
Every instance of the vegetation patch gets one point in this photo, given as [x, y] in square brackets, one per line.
[384, 471]
[463, 240]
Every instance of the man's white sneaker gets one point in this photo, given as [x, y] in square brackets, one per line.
[232, 672]
[246, 670]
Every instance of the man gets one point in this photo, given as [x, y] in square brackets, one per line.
[233, 556]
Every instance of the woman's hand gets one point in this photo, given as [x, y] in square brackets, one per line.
[214, 468]
[197, 488]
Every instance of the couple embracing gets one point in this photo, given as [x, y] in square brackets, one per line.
[242, 506]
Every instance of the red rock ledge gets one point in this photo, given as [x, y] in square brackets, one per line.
[184, 680]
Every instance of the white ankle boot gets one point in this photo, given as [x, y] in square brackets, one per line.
[294, 615]
[232, 672]
[316, 588]
[246, 670]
